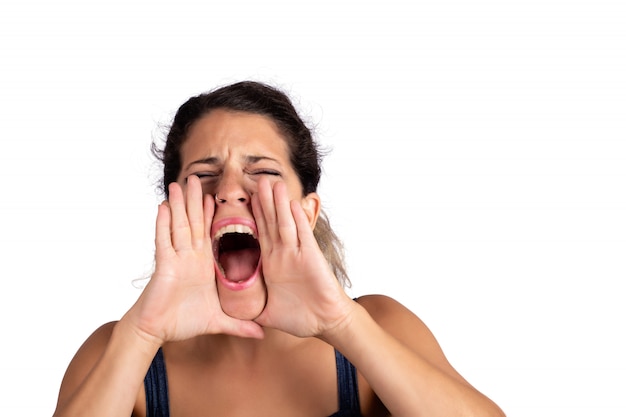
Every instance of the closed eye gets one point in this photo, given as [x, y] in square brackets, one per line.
[205, 174]
[264, 172]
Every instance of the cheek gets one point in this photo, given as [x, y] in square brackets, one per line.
[251, 182]
[294, 189]
[208, 188]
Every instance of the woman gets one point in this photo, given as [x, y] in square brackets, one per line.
[245, 313]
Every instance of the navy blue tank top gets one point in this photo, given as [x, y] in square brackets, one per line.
[157, 400]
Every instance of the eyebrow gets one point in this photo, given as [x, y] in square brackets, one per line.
[212, 160]
[250, 159]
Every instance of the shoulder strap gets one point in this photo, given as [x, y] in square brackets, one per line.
[155, 384]
[347, 384]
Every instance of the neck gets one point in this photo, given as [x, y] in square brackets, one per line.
[236, 350]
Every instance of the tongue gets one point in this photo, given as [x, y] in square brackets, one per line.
[239, 265]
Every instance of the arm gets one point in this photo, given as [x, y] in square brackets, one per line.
[392, 349]
[106, 374]
[403, 363]
[180, 302]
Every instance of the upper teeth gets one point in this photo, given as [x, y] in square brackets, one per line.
[234, 228]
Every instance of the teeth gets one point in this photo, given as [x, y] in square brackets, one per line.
[234, 228]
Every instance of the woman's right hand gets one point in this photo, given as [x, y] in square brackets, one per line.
[181, 300]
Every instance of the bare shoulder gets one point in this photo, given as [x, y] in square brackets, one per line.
[406, 326]
[395, 318]
[390, 313]
[85, 358]
[94, 345]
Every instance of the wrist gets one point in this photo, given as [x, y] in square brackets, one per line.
[145, 341]
[345, 330]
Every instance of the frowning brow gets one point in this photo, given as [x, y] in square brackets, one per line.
[212, 160]
[252, 159]
[249, 159]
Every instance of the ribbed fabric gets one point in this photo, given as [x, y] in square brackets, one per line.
[157, 401]
[155, 383]
[348, 388]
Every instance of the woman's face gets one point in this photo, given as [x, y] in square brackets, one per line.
[230, 152]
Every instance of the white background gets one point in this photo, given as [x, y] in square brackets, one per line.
[477, 172]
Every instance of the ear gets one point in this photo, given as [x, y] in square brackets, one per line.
[312, 205]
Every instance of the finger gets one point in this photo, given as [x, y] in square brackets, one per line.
[195, 211]
[163, 239]
[209, 212]
[243, 328]
[261, 226]
[266, 198]
[304, 231]
[181, 236]
[286, 224]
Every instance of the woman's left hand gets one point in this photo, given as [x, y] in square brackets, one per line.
[304, 296]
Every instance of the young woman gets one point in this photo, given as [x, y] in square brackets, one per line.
[246, 313]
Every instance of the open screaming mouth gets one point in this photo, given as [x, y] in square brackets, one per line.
[237, 252]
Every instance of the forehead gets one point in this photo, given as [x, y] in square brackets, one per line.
[222, 132]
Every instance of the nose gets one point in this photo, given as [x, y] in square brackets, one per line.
[231, 191]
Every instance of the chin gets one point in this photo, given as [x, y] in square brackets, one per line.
[246, 304]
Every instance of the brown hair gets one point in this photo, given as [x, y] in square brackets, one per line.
[304, 153]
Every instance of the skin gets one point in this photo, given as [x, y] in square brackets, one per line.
[266, 350]
[220, 152]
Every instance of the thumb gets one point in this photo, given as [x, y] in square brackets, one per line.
[243, 328]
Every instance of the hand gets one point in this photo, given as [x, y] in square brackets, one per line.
[304, 296]
[181, 299]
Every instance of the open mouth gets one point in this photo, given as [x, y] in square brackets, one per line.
[237, 252]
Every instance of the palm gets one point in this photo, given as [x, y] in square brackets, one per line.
[304, 297]
[181, 299]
